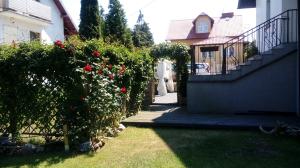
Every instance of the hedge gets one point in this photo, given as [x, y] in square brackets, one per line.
[88, 86]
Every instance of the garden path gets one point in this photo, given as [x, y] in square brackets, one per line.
[170, 98]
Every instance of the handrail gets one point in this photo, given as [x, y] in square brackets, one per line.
[261, 24]
[279, 29]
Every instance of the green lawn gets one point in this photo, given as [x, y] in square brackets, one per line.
[192, 148]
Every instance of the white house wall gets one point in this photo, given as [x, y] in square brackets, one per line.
[49, 32]
[261, 6]
[277, 7]
[289, 4]
[23, 29]
[55, 31]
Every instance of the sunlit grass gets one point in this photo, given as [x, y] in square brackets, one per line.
[155, 148]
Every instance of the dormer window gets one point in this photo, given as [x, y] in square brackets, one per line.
[203, 23]
[202, 27]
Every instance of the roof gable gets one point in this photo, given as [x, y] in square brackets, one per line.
[69, 26]
[222, 27]
[203, 14]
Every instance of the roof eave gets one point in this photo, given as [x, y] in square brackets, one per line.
[243, 4]
[68, 22]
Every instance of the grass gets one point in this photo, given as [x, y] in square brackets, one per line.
[178, 148]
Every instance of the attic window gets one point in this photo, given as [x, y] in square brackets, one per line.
[202, 27]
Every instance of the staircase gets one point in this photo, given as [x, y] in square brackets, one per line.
[253, 64]
[266, 81]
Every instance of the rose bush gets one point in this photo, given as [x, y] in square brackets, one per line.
[88, 86]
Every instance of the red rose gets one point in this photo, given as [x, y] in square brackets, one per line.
[111, 76]
[58, 42]
[88, 68]
[100, 72]
[96, 53]
[123, 90]
[110, 66]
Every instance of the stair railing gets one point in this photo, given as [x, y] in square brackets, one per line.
[279, 30]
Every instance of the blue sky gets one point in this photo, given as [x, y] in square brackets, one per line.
[159, 13]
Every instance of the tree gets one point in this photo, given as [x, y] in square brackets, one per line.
[116, 25]
[141, 35]
[102, 24]
[90, 24]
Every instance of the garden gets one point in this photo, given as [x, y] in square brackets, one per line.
[75, 93]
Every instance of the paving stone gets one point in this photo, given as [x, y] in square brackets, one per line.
[167, 115]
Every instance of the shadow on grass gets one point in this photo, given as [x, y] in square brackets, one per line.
[35, 160]
[230, 148]
[218, 147]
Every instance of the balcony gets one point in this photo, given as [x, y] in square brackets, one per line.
[26, 8]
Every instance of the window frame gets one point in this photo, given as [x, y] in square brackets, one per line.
[203, 27]
[34, 36]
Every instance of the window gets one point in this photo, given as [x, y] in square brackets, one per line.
[34, 36]
[207, 55]
[202, 27]
[230, 51]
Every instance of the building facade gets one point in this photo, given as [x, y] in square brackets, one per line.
[28, 20]
[206, 35]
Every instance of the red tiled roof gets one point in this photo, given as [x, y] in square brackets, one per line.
[213, 40]
[223, 28]
[69, 26]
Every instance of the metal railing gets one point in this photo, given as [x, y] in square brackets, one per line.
[281, 29]
[27, 8]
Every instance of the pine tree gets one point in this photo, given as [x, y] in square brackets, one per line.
[116, 24]
[90, 24]
[102, 24]
[142, 36]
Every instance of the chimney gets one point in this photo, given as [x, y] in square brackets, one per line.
[227, 15]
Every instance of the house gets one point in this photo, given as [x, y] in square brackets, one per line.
[27, 20]
[267, 9]
[206, 35]
[266, 81]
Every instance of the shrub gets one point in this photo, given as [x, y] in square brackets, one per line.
[250, 49]
[87, 85]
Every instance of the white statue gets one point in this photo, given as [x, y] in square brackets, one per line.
[169, 76]
[164, 72]
[161, 73]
